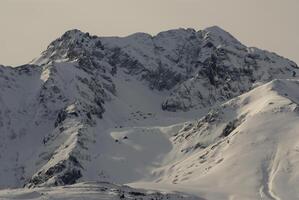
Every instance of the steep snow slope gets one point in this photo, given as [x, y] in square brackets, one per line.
[97, 109]
[244, 149]
[199, 68]
[35, 102]
[18, 109]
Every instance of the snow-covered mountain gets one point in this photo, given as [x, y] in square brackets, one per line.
[244, 149]
[184, 110]
[198, 68]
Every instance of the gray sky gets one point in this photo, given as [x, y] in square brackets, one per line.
[28, 26]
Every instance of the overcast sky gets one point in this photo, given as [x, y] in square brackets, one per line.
[28, 26]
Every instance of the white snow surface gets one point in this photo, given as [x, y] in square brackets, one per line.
[90, 191]
[83, 113]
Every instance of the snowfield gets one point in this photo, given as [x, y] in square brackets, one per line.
[90, 191]
[192, 114]
[246, 148]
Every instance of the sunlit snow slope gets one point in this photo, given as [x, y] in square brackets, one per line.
[184, 110]
[244, 149]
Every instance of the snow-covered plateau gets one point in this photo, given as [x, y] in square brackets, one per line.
[183, 114]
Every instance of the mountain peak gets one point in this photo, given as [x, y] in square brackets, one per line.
[215, 28]
[73, 31]
[92, 108]
[221, 37]
[75, 35]
[72, 41]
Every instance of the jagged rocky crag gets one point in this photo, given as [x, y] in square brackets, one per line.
[56, 110]
[199, 68]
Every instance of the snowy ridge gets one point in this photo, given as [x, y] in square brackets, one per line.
[199, 68]
[248, 138]
[91, 190]
[171, 112]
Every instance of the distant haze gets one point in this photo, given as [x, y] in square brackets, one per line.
[28, 26]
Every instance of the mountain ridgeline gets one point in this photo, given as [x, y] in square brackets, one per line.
[56, 112]
[199, 68]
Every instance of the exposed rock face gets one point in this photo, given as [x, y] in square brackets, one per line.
[199, 68]
[48, 108]
[52, 104]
